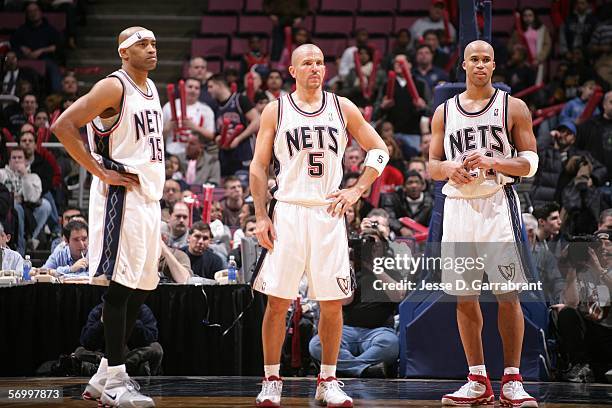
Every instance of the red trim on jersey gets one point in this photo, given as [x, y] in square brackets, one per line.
[309, 114]
[480, 112]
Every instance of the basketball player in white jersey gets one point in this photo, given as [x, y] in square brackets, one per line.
[124, 123]
[303, 231]
[475, 140]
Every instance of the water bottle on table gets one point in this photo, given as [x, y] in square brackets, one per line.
[231, 271]
[27, 267]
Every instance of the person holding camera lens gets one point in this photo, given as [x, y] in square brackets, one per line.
[584, 321]
[369, 345]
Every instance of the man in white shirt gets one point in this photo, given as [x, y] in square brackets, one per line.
[434, 21]
[9, 259]
[200, 120]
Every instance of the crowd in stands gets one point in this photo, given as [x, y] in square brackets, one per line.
[564, 70]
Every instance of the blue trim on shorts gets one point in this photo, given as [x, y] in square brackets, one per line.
[515, 214]
[113, 218]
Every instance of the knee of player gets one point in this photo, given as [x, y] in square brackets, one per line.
[509, 299]
[277, 305]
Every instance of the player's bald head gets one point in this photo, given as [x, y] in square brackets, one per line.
[125, 34]
[304, 50]
[478, 47]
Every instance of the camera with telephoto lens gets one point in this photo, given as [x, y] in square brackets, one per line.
[578, 252]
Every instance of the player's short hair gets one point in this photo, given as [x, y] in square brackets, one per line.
[200, 226]
[74, 225]
[543, 212]
[219, 79]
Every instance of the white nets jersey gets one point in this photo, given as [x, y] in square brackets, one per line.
[308, 151]
[132, 141]
[485, 131]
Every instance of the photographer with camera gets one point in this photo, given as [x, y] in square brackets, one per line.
[369, 342]
[584, 323]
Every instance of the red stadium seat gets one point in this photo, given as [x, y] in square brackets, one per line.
[403, 22]
[307, 23]
[57, 20]
[414, 5]
[206, 47]
[503, 23]
[215, 6]
[537, 4]
[313, 5]
[10, 21]
[218, 25]
[375, 25]
[36, 65]
[240, 46]
[253, 6]
[504, 4]
[254, 24]
[348, 6]
[378, 6]
[331, 47]
[342, 25]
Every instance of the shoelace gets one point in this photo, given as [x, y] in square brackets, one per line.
[335, 385]
[469, 386]
[272, 387]
[516, 387]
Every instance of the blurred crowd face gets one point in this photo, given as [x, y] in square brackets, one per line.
[414, 186]
[68, 215]
[78, 243]
[198, 68]
[199, 241]
[361, 37]
[424, 57]
[216, 211]
[27, 143]
[397, 64]
[386, 130]
[425, 141]
[256, 80]
[17, 161]
[29, 105]
[10, 61]
[432, 40]
[275, 81]
[179, 219]
[581, 6]
[249, 230]
[606, 224]
[528, 17]
[607, 105]
[233, 190]
[353, 158]
[70, 85]
[403, 38]
[192, 91]
[245, 212]
[364, 56]
[300, 37]
[254, 44]
[33, 13]
[41, 120]
[193, 149]
[172, 191]
[551, 225]
[420, 168]
[436, 11]
[172, 165]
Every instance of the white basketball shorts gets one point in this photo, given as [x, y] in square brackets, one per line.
[310, 241]
[488, 231]
[124, 236]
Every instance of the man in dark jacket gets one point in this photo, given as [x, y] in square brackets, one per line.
[412, 201]
[145, 353]
[552, 176]
[595, 135]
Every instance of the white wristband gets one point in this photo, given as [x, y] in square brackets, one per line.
[533, 159]
[134, 38]
[377, 159]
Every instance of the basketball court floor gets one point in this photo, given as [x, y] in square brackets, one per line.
[227, 392]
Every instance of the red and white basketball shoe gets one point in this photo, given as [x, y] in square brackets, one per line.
[513, 394]
[271, 390]
[477, 391]
[329, 393]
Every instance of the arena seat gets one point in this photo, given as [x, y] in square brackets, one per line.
[400, 22]
[10, 21]
[503, 23]
[505, 5]
[216, 6]
[378, 6]
[215, 25]
[36, 65]
[375, 25]
[240, 46]
[254, 25]
[253, 6]
[348, 6]
[338, 25]
[331, 47]
[412, 6]
[209, 46]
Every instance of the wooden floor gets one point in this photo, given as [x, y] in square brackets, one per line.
[226, 392]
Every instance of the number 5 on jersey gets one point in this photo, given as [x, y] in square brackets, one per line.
[316, 166]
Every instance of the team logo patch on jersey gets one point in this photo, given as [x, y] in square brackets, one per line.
[331, 117]
[496, 112]
[507, 271]
[344, 285]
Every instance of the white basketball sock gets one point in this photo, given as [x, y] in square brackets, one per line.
[272, 370]
[511, 370]
[114, 370]
[478, 370]
[328, 371]
[103, 367]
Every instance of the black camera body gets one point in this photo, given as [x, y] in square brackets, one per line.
[578, 248]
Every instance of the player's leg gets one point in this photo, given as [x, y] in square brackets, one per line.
[135, 301]
[119, 389]
[330, 282]
[469, 321]
[511, 326]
